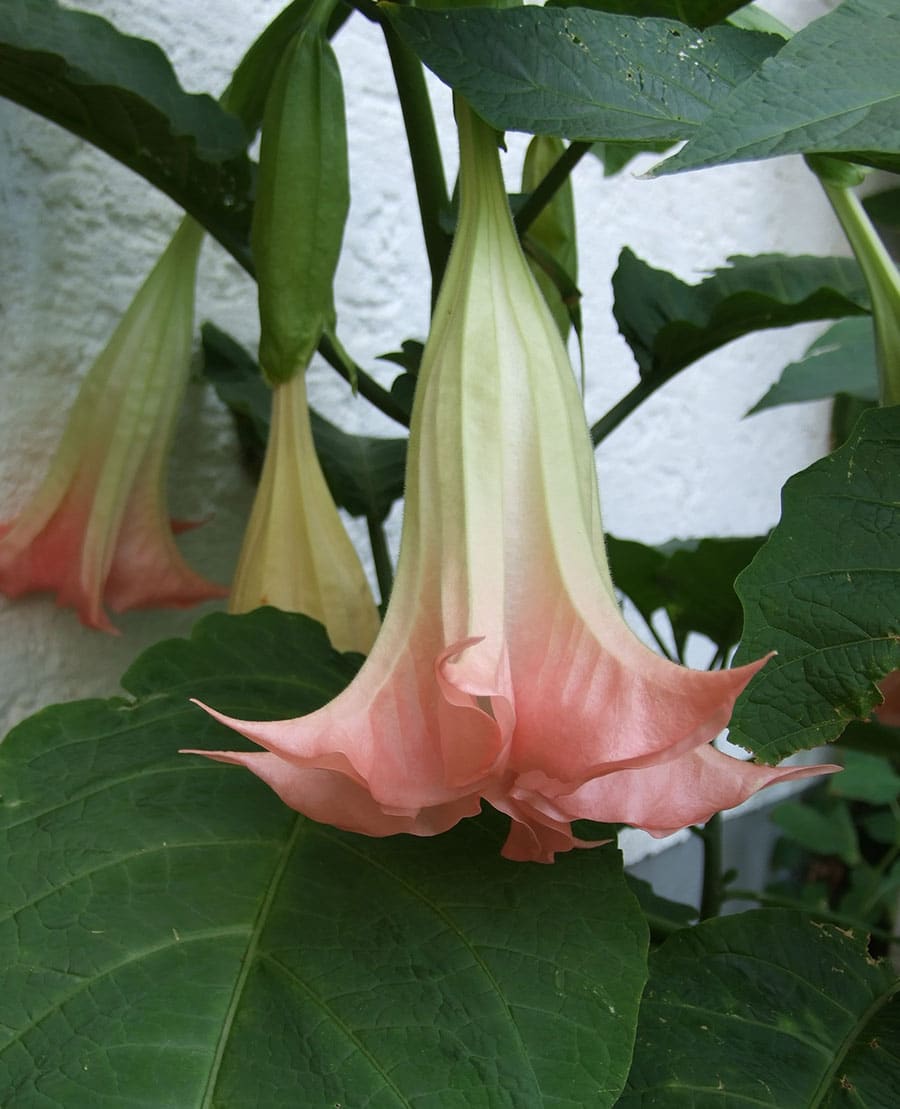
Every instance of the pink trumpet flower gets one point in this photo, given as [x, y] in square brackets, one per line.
[96, 531]
[504, 670]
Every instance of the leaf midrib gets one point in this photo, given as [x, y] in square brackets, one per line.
[249, 959]
[849, 1041]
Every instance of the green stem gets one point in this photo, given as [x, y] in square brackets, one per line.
[882, 279]
[384, 570]
[623, 408]
[424, 151]
[369, 388]
[555, 178]
[713, 886]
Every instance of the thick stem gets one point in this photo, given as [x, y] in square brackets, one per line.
[384, 569]
[713, 886]
[424, 151]
[554, 180]
[882, 279]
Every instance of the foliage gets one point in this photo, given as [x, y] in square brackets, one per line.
[171, 933]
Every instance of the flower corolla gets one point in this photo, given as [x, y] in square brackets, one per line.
[296, 554]
[96, 531]
[504, 670]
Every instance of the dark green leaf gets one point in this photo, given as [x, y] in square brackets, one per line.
[364, 473]
[663, 916]
[174, 936]
[698, 13]
[669, 324]
[842, 360]
[767, 1008]
[884, 208]
[823, 593]
[823, 829]
[691, 580]
[121, 94]
[834, 88]
[872, 737]
[582, 74]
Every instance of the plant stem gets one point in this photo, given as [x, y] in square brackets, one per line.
[713, 887]
[623, 408]
[556, 177]
[384, 570]
[882, 279]
[424, 151]
[369, 388]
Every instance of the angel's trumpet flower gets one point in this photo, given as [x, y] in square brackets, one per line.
[296, 554]
[504, 670]
[96, 531]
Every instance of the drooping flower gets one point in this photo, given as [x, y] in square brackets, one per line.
[96, 531]
[296, 554]
[504, 670]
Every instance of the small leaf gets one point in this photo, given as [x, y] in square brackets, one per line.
[823, 829]
[121, 94]
[834, 88]
[615, 156]
[865, 778]
[582, 74]
[669, 324]
[691, 580]
[172, 935]
[842, 360]
[365, 474]
[822, 593]
[766, 1008]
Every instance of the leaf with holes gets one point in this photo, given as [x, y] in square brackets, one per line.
[823, 592]
[834, 88]
[582, 74]
[172, 935]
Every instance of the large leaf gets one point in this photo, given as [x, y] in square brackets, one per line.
[840, 361]
[364, 473]
[767, 1008]
[834, 88]
[691, 580]
[698, 13]
[669, 324]
[121, 94]
[175, 936]
[823, 592]
[582, 74]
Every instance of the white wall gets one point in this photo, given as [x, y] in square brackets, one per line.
[80, 232]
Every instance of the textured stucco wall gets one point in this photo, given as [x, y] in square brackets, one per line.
[79, 233]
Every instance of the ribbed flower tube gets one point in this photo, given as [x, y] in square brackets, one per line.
[96, 532]
[504, 670]
[296, 554]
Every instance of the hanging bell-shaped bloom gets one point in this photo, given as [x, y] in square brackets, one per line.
[96, 531]
[296, 554]
[504, 670]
